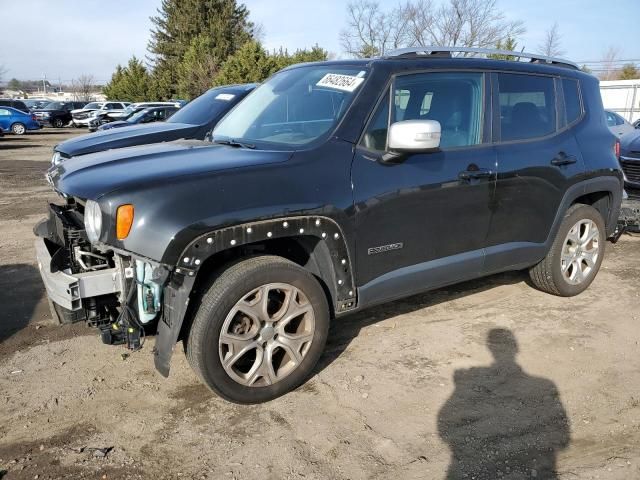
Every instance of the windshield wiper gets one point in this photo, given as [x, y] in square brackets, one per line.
[234, 143]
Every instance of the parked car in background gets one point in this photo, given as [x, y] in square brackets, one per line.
[57, 114]
[630, 159]
[109, 116]
[136, 107]
[617, 124]
[16, 121]
[333, 187]
[636, 124]
[35, 103]
[83, 113]
[83, 118]
[146, 115]
[193, 121]
[17, 104]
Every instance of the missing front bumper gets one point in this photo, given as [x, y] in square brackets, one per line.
[68, 290]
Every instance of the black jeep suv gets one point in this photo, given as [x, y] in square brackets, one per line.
[333, 187]
[57, 114]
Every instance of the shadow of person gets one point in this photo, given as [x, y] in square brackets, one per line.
[501, 423]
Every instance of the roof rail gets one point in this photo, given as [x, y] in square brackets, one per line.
[447, 52]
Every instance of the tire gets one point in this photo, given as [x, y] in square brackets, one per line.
[18, 129]
[218, 315]
[58, 123]
[570, 265]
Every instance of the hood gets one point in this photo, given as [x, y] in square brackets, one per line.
[78, 110]
[92, 176]
[119, 123]
[630, 142]
[125, 137]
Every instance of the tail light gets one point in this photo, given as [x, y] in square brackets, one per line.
[616, 149]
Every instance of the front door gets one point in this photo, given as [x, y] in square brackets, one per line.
[423, 222]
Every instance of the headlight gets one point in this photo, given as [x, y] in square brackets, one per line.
[56, 159]
[92, 220]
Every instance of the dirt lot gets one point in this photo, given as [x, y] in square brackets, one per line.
[400, 388]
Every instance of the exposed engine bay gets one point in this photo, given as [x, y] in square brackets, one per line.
[114, 292]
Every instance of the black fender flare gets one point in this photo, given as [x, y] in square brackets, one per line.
[176, 293]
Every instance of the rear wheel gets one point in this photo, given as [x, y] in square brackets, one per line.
[18, 129]
[575, 256]
[58, 123]
[260, 328]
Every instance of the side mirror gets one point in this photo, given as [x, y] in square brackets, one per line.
[414, 136]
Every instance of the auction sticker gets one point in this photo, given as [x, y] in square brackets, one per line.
[346, 83]
[225, 96]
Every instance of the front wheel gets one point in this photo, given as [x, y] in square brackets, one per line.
[260, 328]
[18, 129]
[575, 256]
[58, 123]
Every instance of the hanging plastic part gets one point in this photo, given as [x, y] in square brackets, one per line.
[148, 292]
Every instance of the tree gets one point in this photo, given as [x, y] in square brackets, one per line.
[252, 63]
[3, 71]
[370, 31]
[551, 46]
[131, 83]
[509, 44]
[629, 72]
[14, 84]
[198, 68]
[179, 22]
[609, 63]
[83, 87]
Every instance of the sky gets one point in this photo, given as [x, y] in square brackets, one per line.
[64, 39]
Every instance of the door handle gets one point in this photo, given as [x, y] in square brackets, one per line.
[475, 174]
[563, 159]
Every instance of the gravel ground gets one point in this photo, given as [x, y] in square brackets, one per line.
[488, 379]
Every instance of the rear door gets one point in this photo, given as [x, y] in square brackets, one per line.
[5, 119]
[538, 158]
[424, 221]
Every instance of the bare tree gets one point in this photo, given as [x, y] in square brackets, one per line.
[462, 23]
[551, 46]
[370, 31]
[83, 86]
[3, 72]
[609, 70]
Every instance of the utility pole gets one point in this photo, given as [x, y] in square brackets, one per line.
[44, 83]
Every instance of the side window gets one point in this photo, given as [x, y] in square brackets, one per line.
[375, 138]
[455, 100]
[527, 106]
[611, 119]
[572, 104]
[619, 119]
[4, 112]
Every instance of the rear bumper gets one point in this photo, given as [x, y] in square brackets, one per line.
[68, 290]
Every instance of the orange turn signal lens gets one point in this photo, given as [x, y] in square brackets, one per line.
[124, 221]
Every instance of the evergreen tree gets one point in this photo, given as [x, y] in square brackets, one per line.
[509, 44]
[177, 25]
[198, 68]
[253, 64]
[131, 83]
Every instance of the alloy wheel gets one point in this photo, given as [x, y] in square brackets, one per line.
[266, 335]
[580, 251]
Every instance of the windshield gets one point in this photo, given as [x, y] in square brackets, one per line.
[53, 106]
[294, 107]
[205, 108]
[91, 105]
[135, 118]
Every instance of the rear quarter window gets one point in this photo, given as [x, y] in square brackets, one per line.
[572, 103]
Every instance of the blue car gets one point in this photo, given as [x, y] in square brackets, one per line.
[15, 121]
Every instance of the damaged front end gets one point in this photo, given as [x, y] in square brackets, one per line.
[113, 291]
